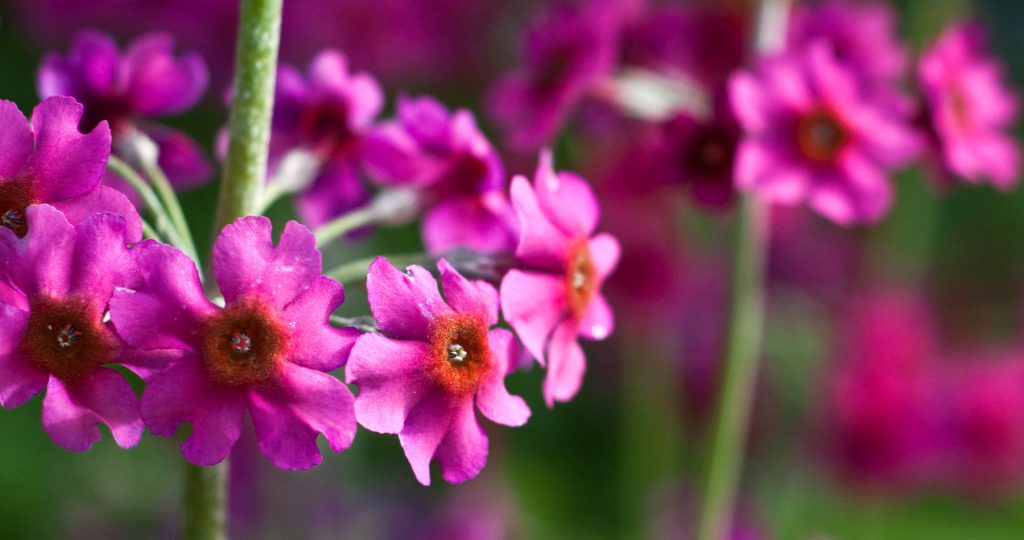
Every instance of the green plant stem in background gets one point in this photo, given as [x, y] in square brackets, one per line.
[344, 224]
[241, 190]
[162, 226]
[350, 272]
[170, 200]
[205, 502]
[735, 397]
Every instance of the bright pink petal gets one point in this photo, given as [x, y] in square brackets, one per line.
[598, 321]
[404, 304]
[493, 398]
[20, 380]
[103, 199]
[425, 428]
[533, 304]
[750, 102]
[72, 413]
[389, 374]
[316, 344]
[469, 222]
[101, 259]
[605, 252]
[465, 296]
[566, 199]
[91, 67]
[39, 263]
[541, 242]
[15, 140]
[463, 451]
[566, 365]
[66, 163]
[158, 83]
[247, 263]
[290, 415]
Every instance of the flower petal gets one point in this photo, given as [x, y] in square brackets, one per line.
[103, 199]
[465, 296]
[39, 263]
[598, 321]
[15, 140]
[541, 242]
[463, 451]
[158, 83]
[404, 304]
[72, 412]
[316, 344]
[20, 380]
[566, 199]
[424, 429]
[66, 163]
[470, 222]
[493, 398]
[389, 374]
[101, 258]
[90, 68]
[566, 365]
[605, 253]
[533, 304]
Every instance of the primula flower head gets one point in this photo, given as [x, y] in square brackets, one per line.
[813, 136]
[969, 110]
[326, 113]
[701, 154]
[50, 162]
[266, 352]
[445, 157]
[432, 360]
[146, 81]
[555, 295]
[56, 282]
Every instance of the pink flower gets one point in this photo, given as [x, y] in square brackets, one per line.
[50, 162]
[327, 114]
[555, 295]
[147, 81]
[970, 111]
[433, 359]
[266, 352]
[701, 154]
[445, 157]
[55, 284]
[812, 136]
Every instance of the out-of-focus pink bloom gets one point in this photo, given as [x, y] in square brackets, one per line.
[459, 175]
[969, 110]
[267, 351]
[700, 154]
[862, 35]
[328, 114]
[147, 81]
[52, 333]
[51, 162]
[566, 53]
[555, 297]
[813, 136]
[434, 358]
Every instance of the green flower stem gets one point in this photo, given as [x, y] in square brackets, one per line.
[353, 271]
[344, 224]
[162, 226]
[746, 320]
[205, 502]
[149, 232]
[170, 199]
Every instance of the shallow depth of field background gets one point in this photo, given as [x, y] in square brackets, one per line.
[622, 459]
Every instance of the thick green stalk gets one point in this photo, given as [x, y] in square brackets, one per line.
[735, 396]
[241, 190]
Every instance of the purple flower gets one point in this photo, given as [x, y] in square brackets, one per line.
[266, 352]
[56, 283]
[566, 54]
[147, 81]
[327, 115]
[969, 109]
[445, 157]
[555, 295]
[812, 136]
[700, 153]
[433, 359]
[51, 162]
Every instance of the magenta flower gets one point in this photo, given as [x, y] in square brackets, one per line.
[555, 295]
[51, 162]
[812, 136]
[266, 352]
[700, 154]
[566, 54]
[58, 280]
[969, 109]
[433, 359]
[445, 157]
[147, 81]
[327, 115]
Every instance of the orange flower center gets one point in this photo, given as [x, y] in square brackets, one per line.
[460, 356]
[243, 345]
[66, 339]
[821, 136]
[580, 277]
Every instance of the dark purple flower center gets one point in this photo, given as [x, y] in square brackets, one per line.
[66, 339]
[15, 198]
[243, 345]
[325, 128]
[580, 277]
[116, 110]
[710, 154]
[821, 136]
[460, 355]
[467, 177]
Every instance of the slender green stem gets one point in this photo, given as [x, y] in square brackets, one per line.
[259, 32]
[354, 271]
[149, 232]
[344, 224]
[170, 199]
[735, 397]
[162, 225]
[205, 502]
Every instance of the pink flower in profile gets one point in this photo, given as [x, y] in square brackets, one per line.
[266, 352]
[55, 284]
[328, 115]
[969, 109]
[554, 296]
[813, 136]
[51, 162]
[566, 54]
[445, 157]
[432, 361]
[147, 81]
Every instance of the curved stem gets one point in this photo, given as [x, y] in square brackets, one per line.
[162, 225]
[205, 498]
[149, 232]
[349, 272]
[170, 199]
[735, 397]
[344, 224]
